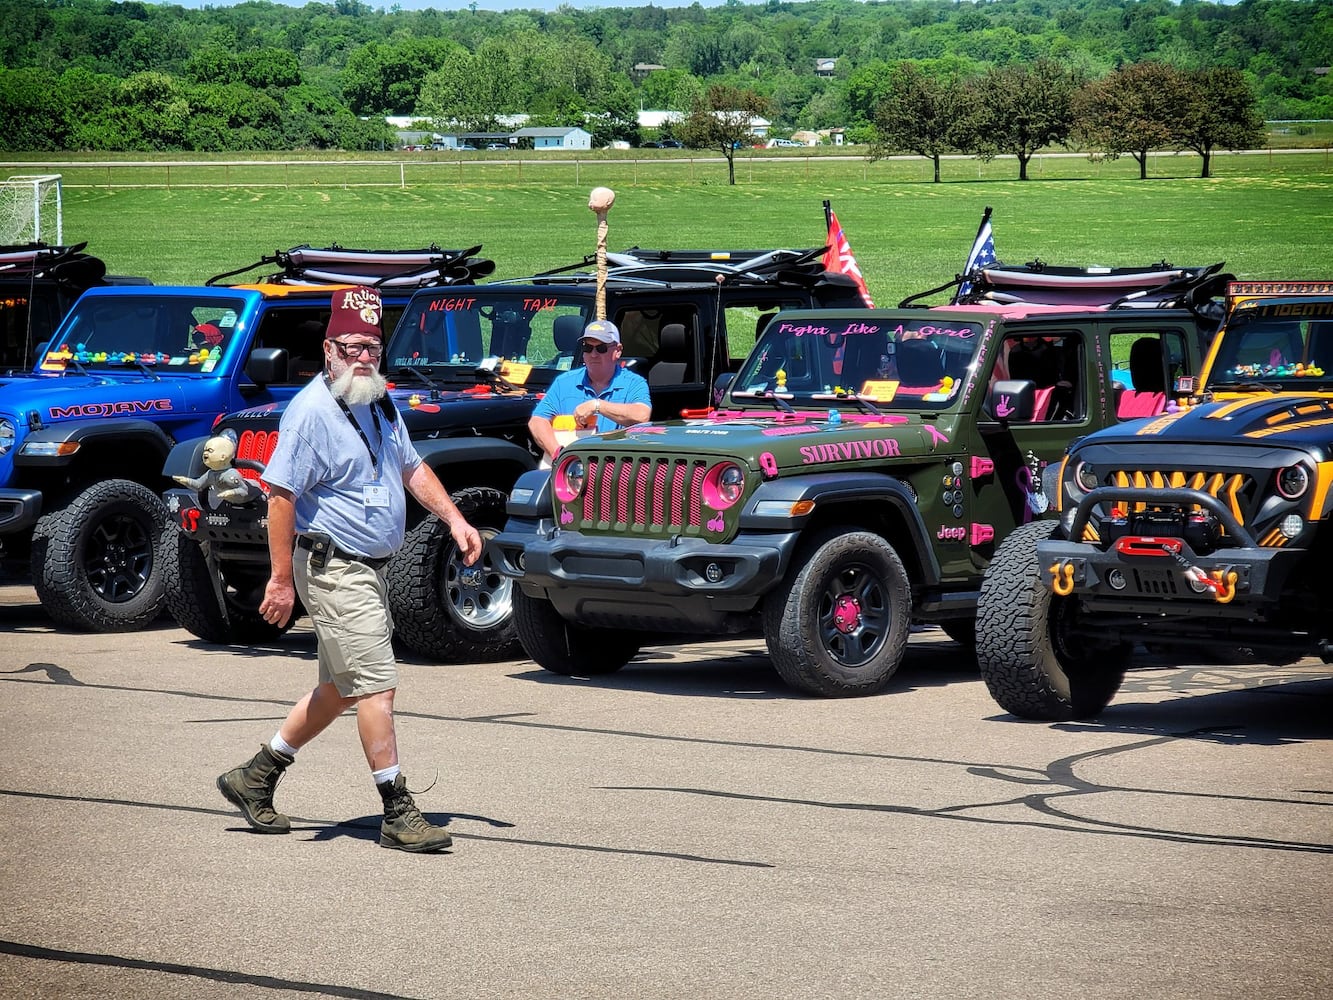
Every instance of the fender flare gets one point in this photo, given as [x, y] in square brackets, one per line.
[125, 431]
[451, 451]
[841, 488]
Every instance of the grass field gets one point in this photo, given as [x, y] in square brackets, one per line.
[1267, 215]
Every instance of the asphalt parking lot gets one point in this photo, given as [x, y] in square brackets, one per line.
[685, 828]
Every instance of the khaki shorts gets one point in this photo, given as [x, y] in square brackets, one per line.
[348, 603]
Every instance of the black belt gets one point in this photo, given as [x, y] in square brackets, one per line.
[306, 542]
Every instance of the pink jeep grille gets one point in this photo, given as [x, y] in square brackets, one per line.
[654, 493]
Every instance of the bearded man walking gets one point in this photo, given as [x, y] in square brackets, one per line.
[337, 511]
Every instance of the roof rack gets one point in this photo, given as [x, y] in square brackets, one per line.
[661, 267]
[335, 265]
[60, 263]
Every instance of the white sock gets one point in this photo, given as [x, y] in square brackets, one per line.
[384, 774]
[280, 745]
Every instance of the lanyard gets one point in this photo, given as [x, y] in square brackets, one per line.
[379, 433]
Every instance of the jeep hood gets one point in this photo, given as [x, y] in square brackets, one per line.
[793, 441]
[79, 397]
[1281, 421]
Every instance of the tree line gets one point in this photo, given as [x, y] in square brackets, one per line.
[102, 75]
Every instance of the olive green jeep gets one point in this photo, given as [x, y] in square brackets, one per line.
[1203, 534]
[855, 477]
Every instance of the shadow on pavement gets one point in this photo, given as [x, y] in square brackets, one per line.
[1266, 712]
[740, 668]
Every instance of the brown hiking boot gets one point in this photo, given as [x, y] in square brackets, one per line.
[250, 789]
[404, 828]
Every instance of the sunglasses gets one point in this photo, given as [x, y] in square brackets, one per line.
[598, 346]
[350, 352]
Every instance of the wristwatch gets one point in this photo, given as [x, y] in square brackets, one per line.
[597, 407]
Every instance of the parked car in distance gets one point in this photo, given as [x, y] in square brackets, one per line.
[671, 144]
[496, 145]
[783, 144]
[467, 146]
[651, 145]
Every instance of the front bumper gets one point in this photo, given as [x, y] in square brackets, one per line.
[235, 533]
[1164, 576]
[652, 584]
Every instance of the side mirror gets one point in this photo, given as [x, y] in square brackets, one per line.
[267, 365]
[1011, 401]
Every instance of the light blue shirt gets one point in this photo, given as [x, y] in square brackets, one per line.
[323, 461]
[572, 388]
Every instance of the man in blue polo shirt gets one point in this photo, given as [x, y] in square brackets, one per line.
[601, 395]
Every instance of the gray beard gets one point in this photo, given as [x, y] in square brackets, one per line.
[358, 390]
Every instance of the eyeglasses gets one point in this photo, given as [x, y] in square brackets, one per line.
[350, 352]
[598, 346]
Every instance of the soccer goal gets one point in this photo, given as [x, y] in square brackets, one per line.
[31, 210]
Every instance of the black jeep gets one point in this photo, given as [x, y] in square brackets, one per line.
[1203, 533]
[38, 284]
[466, 367]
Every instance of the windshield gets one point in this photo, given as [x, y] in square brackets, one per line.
[917, 363]
[1279, 343]
[158, 331]
[535, 335]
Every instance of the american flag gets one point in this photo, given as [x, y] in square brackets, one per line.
[839, 259]
[982, 255]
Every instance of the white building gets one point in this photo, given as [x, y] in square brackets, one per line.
[557, 138]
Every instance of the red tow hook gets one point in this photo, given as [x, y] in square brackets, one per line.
[1149, 545]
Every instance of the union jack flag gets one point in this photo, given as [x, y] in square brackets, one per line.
[839, 259]
[981, 255]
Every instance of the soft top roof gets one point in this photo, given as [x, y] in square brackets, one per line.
[1018, 310]
[67, 264]
[802, 267]
[335, 265]
[1157, 284]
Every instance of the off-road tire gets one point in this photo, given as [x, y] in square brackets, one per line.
[1030, 664]
[94, 560]
[855, 577]
[568, 649]
[447, 611]
[192, 601]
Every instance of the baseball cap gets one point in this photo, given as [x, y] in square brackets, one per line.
[355, 310]
[603, 330]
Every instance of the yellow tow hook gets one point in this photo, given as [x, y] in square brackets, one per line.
[1224, 592]
[1223, 586]
[1062, 578]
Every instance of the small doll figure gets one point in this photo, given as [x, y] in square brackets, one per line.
[223, 483]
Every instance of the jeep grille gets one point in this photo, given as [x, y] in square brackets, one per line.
[654, 493]
[256, 446]
[1235, 489]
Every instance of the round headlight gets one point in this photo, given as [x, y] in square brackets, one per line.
[723, 485]
[569, 479]
[1085, 477]
[6, 435]
[1293, 481]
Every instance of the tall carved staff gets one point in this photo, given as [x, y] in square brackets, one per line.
[600, 201]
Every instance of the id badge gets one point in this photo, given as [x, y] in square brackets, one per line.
[375, 495]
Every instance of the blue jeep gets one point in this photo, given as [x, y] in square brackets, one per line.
[132, 370]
